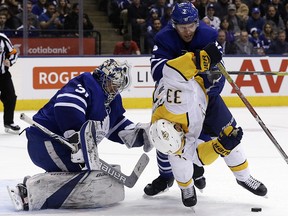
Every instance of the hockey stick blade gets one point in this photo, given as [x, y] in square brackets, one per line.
[128, 181]
[252, 111]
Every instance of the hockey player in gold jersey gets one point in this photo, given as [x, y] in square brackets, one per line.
[175, 45]
[180, 103]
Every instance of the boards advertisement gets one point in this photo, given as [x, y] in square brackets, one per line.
[37, 79]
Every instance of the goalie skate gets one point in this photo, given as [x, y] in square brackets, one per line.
[18, 199]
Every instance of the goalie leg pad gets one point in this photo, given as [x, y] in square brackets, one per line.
[91, 189]
[89, 147]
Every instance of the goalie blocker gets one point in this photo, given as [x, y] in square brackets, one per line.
[68, 190]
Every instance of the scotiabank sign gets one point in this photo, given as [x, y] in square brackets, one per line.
[55, 46]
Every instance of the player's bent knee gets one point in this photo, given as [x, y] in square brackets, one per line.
[92, 189]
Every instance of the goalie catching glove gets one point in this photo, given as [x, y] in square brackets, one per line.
[228, 139]
[209, 56]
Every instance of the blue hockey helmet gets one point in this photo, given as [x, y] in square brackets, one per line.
[114, 77]
[184, 13]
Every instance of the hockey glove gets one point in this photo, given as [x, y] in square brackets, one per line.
[73, 138]
[213, 77]
[228, 139]
[209, 56]
[136, 136]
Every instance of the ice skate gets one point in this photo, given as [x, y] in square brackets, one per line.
[19, 195]
[189, 197]
[12, 128]
[200, 183]
[198, 177]
[254, 186]
[158, 185]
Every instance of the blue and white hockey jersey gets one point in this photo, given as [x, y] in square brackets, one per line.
[169, 45]
[81, 99]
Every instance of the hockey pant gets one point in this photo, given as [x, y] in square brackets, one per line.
[217, 117]
[47, 153]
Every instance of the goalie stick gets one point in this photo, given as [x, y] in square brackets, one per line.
[128, 181]
[252, 110]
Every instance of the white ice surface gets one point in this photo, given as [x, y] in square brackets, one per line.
[221, 197]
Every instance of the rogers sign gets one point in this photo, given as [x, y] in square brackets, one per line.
[55, 46]
[56, 77]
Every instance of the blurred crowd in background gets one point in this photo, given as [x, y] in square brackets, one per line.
[257, 27]
[245, 26]
[45, 18]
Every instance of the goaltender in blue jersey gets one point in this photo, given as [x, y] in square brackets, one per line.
[84, 112]
[185, 34]
[88, 96]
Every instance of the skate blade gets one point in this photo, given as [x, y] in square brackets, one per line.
[193, 209]
[10, 131]
[156, 195]
[16, 199]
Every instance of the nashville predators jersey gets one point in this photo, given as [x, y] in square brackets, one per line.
[181, 97]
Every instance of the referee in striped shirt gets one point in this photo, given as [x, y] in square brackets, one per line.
[8, 55]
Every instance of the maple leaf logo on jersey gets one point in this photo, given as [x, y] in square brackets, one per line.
[102, 128]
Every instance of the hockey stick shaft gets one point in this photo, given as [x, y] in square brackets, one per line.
[253, 73]
[62, 140]
[252, 111]
[128, 181]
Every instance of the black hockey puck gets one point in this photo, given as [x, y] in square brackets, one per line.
[256, 209]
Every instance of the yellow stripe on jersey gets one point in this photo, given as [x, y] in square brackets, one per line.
[184, 185]
[239, 167]
[184, 65]
[201, 83]
[162, 113]
[206, 152]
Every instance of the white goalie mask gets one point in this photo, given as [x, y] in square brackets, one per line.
[114, 77]
[165, 137]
